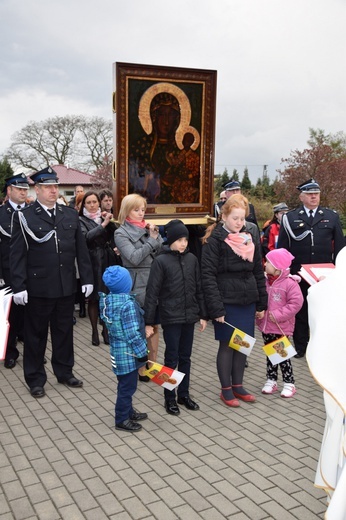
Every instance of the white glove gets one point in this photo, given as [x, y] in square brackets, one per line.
[2, 282]
[87, 289]
[20, 298]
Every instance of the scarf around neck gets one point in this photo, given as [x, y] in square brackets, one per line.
[241, 244]
[96, 217]
[142, 224]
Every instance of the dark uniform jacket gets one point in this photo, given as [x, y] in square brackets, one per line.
[6, 221]
[47, 269]
[322, 242]
[175, 285]
[227, 278]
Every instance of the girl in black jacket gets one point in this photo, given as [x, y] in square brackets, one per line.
[234, 289]
[175, 285]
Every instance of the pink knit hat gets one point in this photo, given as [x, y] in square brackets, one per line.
[280, 258]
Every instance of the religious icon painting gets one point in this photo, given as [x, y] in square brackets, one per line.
[165, 137]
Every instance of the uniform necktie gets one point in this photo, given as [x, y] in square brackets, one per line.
[311, 216]
[19, 207]
[51, 212]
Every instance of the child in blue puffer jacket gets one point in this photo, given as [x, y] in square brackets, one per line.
[128, 347]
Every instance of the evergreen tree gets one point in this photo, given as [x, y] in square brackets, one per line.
[235, 175]
[5, 171]
[246, 183]
[219, 183]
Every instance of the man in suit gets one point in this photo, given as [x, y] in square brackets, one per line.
[45, 242]
[16, 189]
[313, 235]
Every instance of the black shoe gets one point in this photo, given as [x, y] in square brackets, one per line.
[300, 355]
[95, 340]
[187, 401]
[128, 426]
[138, 416]
[105, 337]
[172, 407]
[74, 320]
[71, 381]
[144, 379]
[10, 363]
[246, 363]
[44, 360]
[37, 391]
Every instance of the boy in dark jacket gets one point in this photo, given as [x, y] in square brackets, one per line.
[175, 285]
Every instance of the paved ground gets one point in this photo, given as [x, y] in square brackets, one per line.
[61, 457]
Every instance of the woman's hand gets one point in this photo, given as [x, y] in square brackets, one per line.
[153, 231]
[260, 315]
[106, 218]
[221, 319]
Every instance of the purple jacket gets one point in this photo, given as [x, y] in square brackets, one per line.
[285, 299]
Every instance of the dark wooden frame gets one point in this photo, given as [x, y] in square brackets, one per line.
[132, 81]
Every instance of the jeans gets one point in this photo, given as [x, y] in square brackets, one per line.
[127, 385]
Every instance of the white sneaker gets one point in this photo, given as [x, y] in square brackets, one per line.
[270, 387]
[288, 390]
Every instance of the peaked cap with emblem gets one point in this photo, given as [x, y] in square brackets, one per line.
[19, 181]
[45, 176]
[231, 185]
[310, 186]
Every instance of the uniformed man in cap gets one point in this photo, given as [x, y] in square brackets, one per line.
[233, 188]
[45, 242]
[313, 235]
[16, 190]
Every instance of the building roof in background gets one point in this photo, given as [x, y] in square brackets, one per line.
[70, 176]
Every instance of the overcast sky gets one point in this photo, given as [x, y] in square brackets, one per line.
[280, 63]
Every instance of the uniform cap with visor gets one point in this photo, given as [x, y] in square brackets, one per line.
[18, 181]
[46, 176]
[310, 186]
[232, 185]
[282, 206]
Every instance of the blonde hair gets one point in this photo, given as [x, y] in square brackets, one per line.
[235, 201]
[130, 202]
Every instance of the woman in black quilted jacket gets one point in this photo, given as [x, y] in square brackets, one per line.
[234, 289]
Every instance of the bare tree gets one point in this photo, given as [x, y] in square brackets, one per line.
[102, 178]
[77, 140]
[97, 138]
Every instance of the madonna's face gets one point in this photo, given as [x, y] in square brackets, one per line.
[166, 121]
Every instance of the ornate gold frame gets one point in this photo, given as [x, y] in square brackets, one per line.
[194, 92]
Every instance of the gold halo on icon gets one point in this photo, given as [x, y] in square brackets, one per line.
[185, 112]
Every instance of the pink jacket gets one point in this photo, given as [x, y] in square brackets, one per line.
[285, 299]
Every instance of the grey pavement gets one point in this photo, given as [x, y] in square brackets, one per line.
[61, 457]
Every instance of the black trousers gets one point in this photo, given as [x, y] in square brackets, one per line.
[179, 339]
[40, 313]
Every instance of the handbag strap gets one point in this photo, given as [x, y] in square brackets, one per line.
[282, 332]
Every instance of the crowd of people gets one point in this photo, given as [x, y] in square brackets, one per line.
[135, 278]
